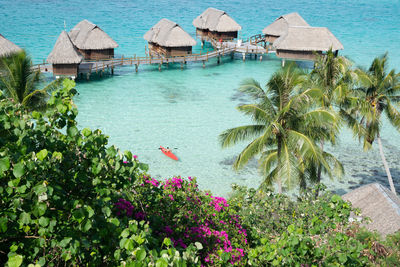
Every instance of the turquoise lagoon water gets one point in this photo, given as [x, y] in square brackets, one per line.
[188, 109]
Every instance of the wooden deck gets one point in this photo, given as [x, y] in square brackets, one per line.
[221, 49]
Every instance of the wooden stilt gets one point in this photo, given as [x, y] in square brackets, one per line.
[181, 65]
[218, 59]
[136, 67]
[159, 66]
[112, 70]
[204, 64]
[261, 58]
[244, 56]
[87, 76]
[232, 55]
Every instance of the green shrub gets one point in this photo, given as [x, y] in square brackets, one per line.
[58, 188]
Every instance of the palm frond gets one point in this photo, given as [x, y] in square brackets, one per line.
[233, 136]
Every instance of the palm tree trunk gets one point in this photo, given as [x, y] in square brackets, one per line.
[386, 165]
[279, 180]
[319, 171]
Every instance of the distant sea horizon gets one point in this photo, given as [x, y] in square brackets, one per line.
[187, 109]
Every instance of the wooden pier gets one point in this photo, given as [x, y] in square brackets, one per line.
[221, 49]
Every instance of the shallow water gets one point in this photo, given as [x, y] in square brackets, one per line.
[188, 109]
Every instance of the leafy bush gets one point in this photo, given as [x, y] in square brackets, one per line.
[58, 186]
[306, 232]
[178, 210]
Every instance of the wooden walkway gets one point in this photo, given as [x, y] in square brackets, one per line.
[222, 49]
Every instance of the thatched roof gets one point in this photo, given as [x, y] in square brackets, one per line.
[379, 204]
[86, 35]
[7, 47]
[169, 34]
[281, 24]
[64, 52]
[300, 38]
[216, 20]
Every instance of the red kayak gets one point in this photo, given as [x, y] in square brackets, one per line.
[168, 153]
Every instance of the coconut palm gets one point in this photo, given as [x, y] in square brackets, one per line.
[19, 81]
[378, 94]
[287, 124]
[333, 76]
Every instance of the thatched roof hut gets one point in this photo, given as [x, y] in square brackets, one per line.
[280, 26]
[64, 56]
[92, 41]
[7, 47]
[303, 42]
[217, 24]
[379, 204]
[169, 39]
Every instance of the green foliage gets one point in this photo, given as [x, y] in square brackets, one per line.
[287, 126]
[58, 187]
[19, 81]
[308, 231]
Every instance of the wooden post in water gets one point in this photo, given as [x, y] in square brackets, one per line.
[159, 66]
[218, 59]
[181, 65]
[244, 56]
[136, 67]
[204, 64]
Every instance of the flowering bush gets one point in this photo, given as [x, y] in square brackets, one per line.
[178, 210]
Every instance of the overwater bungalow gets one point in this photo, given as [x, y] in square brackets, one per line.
[216, 24]
[304, 43]
[92, 42]
[280, 26]
[64, 57]
[168, 39]
[7, 47]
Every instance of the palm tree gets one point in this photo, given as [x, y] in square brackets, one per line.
[379, 93]
[333, 76]
[287, 126]
[19, 81]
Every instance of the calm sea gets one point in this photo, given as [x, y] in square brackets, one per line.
[188, 109]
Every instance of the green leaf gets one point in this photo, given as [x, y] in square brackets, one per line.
[128, 155]
[15, 261]
[43, 221]
[36, 115]
[87, 226]
[4, 164]
[141, 254]
[106, 211]
[129, 245]
[125, 233]
[3, 224]
[144, 167]
[225, 256]
[167, 242]
[25, 218]
[342, 257]
[42, 154]
[161, 262]
[65, 241]
[19, 170]
[290, 228]
[72, 131]
[86, 132]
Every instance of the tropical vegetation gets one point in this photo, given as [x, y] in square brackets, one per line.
[71, 198]
[377, 93]
[288, 126]
[20, 82]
